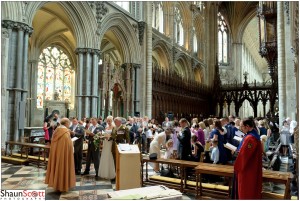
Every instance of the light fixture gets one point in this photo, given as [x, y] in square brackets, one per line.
[267, 22]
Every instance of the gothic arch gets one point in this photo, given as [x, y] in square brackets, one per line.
[163, 55]
[55, 29]
[244, 24]
[185, 13]
[119, 24]
[83, 26]
[199, 74]
[184, 64]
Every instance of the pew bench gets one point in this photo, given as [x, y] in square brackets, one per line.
[275, 196]
[43, 150]
[182, 183]
[15, 161]
[227, 171]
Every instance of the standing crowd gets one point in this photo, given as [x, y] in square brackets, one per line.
[204, 141]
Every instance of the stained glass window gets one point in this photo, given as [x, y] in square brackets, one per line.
[195, 45]
[223, 36]
[54, 76]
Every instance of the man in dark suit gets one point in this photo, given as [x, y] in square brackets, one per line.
[184, 140]
[77, 131]
[93, 152]
[228, 136]
[133, 131]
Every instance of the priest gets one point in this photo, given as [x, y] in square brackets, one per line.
[61, 171]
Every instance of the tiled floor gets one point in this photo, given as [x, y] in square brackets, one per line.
[16, 177]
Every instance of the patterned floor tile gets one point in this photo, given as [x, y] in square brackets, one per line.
[87, 187]
[88, 195]
[5, 176]
[72, 195]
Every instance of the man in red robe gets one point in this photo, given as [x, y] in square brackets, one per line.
[248, 165]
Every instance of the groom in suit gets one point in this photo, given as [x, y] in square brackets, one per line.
[120, 134]
[76, 130]
[93, 153]
[184, 140]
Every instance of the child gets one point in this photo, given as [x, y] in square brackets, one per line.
[215, 152]
[169, 149]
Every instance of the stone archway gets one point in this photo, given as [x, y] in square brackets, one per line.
[120, 55]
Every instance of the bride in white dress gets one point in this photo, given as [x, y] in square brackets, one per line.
[107, 165]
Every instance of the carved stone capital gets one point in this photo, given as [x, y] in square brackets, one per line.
[130, 66]
[8, 24]
[87, 50]
[101, 11]
[141, 27]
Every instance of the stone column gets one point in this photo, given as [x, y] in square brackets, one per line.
[289, 63]
[32, 90]
[281, 62]
[87, 74]
[149, 61]
[212, 41]
[79, 78]
[237, 60]
[14, 92]
[95, 86]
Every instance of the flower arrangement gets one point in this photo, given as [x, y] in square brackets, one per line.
[97, 139]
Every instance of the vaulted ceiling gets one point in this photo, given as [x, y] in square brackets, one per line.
[51, 26]
[243, 24]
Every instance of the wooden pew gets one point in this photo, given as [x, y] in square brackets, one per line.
[15, 161]
[182, 184]
[227, 171]
[43, 149]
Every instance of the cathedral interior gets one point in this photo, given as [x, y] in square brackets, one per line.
[144, 58]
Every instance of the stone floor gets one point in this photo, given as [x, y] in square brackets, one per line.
[17, 177]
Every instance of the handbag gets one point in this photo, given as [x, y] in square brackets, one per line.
[166, 172]
[153, 156]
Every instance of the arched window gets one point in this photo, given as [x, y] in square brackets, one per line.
[158, 17]
[124, 4]
[195, 43]
[54, 76]
[223, 39]
[178, 27]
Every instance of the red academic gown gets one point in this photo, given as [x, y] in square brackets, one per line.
[248, 169]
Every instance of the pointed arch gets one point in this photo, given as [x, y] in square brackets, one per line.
[161, 50]
[182, 65]
[119, 24]
[82, 20]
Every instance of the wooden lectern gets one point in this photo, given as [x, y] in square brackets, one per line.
[128, 167]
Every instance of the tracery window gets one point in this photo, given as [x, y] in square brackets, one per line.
[195, 43]
[158, 17]
[178, 27]
[124, 4]
[223, 40]
[54, 76]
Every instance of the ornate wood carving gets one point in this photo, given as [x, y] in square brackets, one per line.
[183, 98]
